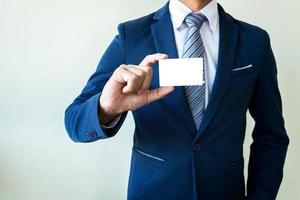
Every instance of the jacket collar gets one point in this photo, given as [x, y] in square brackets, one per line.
[179, 11]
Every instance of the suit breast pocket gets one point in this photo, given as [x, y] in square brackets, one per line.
[240, 87]
[243, 70]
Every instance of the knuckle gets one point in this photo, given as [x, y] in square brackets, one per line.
[142, 73]
[139, 74]
[122, 66]
[148, 69]
[134, 78]
[117, 71]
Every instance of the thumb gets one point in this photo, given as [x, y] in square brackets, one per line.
[158, 93]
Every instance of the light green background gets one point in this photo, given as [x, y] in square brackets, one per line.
[49, 48]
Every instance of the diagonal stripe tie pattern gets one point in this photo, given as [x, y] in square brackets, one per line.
[194, 48]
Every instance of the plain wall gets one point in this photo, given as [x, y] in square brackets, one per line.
[48, 50]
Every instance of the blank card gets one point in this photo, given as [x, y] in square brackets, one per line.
[181, 72]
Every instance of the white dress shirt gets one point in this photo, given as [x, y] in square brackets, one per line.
[210, 33]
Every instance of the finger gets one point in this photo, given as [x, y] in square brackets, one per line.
[146, 66]
[131, 80]
[158, 93]
[151, 59]
[138, 72]
[136, 69]
[141, 74]
[148, 78]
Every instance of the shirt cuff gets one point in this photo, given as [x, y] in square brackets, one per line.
[112, 124]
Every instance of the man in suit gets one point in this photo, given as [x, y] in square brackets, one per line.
[188, 141]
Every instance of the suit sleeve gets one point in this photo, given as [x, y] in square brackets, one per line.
[270, 141]
[82, 119]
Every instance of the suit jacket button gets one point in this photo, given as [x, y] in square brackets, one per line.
[197, 147]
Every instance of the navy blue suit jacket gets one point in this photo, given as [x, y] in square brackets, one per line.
[170, 158]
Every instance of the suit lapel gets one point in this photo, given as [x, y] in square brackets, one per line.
[163, 36]
[227, 48]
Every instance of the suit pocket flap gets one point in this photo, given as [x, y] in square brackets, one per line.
[149, 156]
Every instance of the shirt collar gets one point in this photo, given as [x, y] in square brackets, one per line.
[179, 11]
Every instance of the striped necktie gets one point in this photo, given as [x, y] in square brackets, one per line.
[193, 48]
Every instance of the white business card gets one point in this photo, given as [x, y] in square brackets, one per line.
[181, 72]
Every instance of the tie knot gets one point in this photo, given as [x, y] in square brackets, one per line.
[195, 19]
